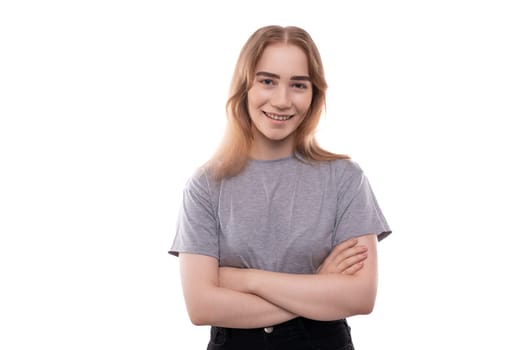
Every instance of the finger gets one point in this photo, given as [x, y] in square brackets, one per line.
[338, 249]
[355, 250]
[352, 260]
[354, 268]
[338, 253]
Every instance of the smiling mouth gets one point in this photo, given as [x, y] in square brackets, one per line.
[278, 117]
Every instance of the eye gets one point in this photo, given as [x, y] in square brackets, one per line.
[300, 86]
[266, 81]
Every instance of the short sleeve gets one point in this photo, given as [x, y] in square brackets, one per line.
[196, 230]
[358, 212]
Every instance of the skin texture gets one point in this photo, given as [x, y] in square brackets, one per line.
[248, 298]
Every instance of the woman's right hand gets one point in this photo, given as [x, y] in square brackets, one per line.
[346, 258]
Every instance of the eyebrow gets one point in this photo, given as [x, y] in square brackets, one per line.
[276, 76]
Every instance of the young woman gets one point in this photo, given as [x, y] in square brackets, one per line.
[277, 236]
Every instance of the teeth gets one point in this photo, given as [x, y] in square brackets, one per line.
[277, 116]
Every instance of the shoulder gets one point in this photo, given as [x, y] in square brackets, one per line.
[201, 180]
[346, 168]
[336, 169]
[347, 174]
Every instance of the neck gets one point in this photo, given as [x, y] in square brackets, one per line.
[264, 149]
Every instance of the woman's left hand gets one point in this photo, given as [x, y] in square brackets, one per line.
[346, 258]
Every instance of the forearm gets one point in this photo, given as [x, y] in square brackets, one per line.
[228, 308]
[210, 303]
[247, 298]
[320, 297]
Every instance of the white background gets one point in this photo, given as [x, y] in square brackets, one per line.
[108, 106]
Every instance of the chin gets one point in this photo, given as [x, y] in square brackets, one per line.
[277, 138]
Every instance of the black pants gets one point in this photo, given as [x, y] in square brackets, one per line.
[297, 334]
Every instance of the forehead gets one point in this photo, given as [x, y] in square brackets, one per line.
[283, 59]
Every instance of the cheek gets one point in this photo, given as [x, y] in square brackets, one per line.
[303, 103]
[256, 98]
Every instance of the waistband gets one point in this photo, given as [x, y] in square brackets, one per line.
[299, 322]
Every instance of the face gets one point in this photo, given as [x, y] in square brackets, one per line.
[279, 99]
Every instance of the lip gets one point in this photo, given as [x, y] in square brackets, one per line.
[266, 114]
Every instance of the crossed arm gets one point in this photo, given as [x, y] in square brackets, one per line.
[247, 298]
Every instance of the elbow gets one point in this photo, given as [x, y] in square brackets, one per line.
[201, 314]
[198, 313]
[198, 317]
[198, 320]
[367, 306]
[202, 307]
[369, 300]
[363, 303]
[364, 307]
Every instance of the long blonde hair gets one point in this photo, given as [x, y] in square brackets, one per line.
[232, 154]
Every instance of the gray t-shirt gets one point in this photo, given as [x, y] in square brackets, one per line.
[281, 215]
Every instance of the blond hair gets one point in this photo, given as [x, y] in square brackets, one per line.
[232, 154]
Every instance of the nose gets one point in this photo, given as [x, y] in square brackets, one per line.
[281, 98]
